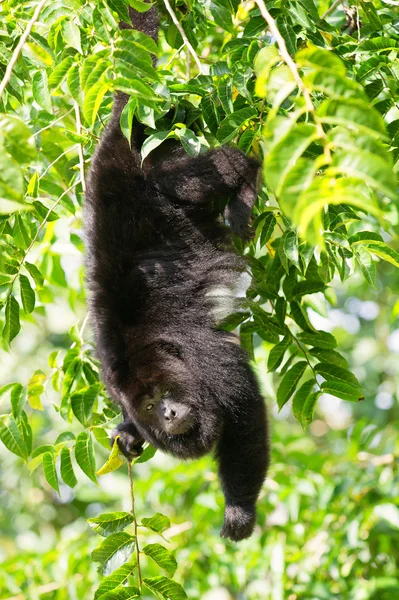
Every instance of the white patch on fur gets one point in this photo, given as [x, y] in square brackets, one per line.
[222, 297]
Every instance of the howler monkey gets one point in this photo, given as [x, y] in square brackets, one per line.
[156, 253]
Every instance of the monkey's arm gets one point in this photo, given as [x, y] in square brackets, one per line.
[224, 174]
[242, 455]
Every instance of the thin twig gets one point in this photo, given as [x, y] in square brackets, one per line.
[129, 468]
[183, 34]
[42, 224]
[359, 35]
[53, 123]
[55, 161]
[17, 51]
[332, 8]
[80, 147]
[285, 55]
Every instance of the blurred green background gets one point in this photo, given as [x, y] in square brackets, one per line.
[328, 522]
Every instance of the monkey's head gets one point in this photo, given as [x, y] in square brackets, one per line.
[169, 404]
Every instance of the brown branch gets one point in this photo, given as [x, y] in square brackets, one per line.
[17, 51]
[129, 468]
[285, 55]
[183, 34]
[80, 147]
[332, 8]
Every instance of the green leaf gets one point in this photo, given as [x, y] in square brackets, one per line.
[302, 288]
[84, 454]
[40, 90]
[352, 112]
[138, 89]
[27, 294]
[147, 454]
[289, 383]
[308, 409]
[109, 523]
[225, 94]
[364, 237]
[139, 5]
[385, 252]
[264, 226]
[18, 400]
[280, 85]
[372, 169]
[345, 391]
[330, 356]
[264, 62]
[71, 34]
[163, 557]
[367, 265]
[140, 39]
[82, 402]
[118, 578]
[158, 523]
[165, 588]
[276, 355]
[67, 472]
[329, 371]
[300, 316]
[70, 376]
[300, 397]
[114, 551]
[209, 113]
[17, 139]
[93, 99]
[114, 462]
[58, 75]
[11, 437]
[286, 153]
[231, 125]
[12, 325]
[189, 141]
[50, 471]
[152, 142]
[291, 247]
[35, 274]
[321, 339]
[123, 593]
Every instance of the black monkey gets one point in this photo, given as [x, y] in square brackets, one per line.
[156, 253]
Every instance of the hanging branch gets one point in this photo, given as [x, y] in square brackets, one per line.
[332, 8]
[285, 55]
[129, 468]
[17, 51]
[183, 34]
[80, 147]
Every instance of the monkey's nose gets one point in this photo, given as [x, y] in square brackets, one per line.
[169, 414]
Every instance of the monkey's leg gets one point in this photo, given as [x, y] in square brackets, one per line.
[221, 174]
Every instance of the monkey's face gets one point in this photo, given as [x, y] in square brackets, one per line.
[172, 422]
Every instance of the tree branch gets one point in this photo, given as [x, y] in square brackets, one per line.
[129, 468]
[80, 147]
[332, 8]
[17, 51]
[285, 55]
[183, 34]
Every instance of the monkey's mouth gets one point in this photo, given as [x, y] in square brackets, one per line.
[179, 428]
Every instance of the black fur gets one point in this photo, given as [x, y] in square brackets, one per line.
[155, 249]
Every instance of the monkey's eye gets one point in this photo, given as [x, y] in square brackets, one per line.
[149, 407]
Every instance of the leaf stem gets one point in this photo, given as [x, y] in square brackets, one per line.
[332, 8]
[80, 147]
[183, 34]
[17, 51]
[42, 224]
[129, 468]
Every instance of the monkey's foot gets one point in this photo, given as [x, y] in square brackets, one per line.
[239, 522]
[129, 441]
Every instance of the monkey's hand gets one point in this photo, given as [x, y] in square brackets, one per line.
[239, 522]
[130, 441]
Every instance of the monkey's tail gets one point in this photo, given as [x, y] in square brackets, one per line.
[148, 23]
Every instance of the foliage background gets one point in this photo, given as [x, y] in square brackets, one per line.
[328, 514]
